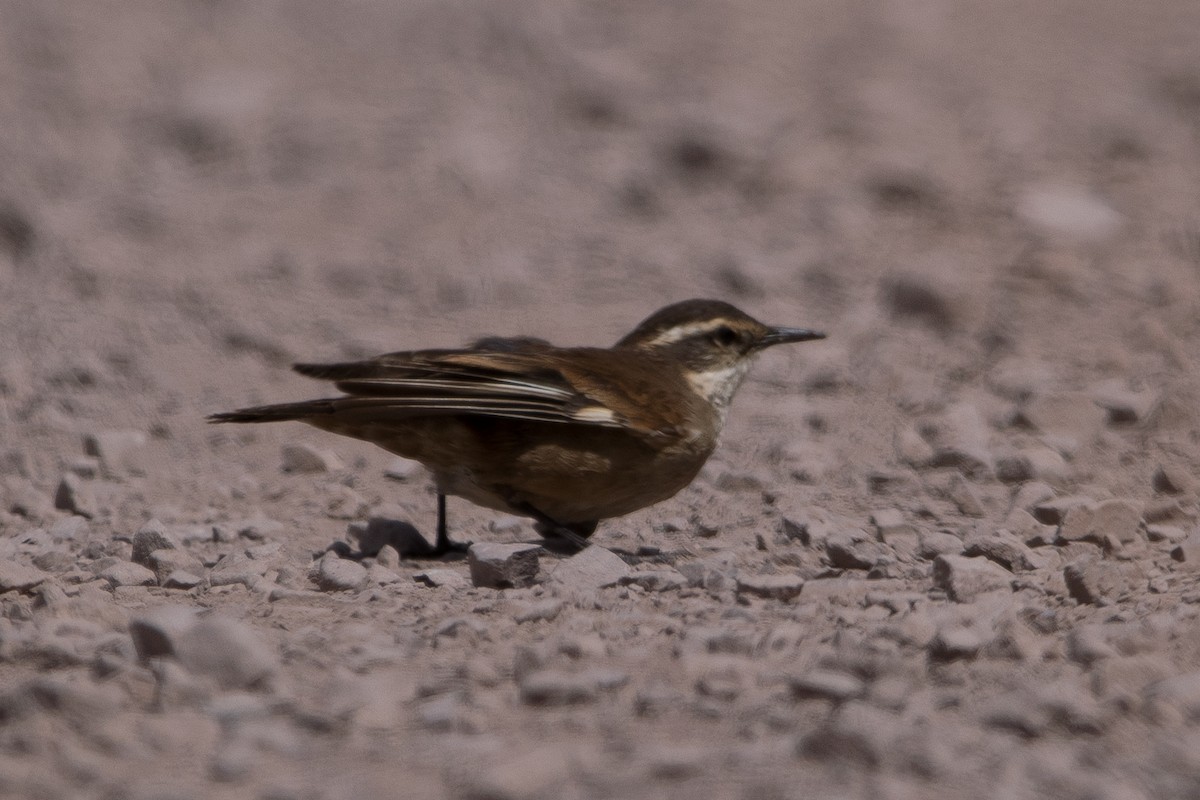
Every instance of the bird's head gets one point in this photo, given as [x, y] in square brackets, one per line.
[713, 341]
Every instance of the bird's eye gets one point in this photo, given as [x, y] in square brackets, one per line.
[724, 336]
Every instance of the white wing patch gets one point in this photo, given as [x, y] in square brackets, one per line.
[595, 414]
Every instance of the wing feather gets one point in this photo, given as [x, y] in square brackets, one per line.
[493, 383]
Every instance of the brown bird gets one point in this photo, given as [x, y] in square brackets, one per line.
[567, 436]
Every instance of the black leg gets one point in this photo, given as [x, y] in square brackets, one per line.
[443, 544]
[575, 533]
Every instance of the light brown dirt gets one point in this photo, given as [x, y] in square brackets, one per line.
[992, 208]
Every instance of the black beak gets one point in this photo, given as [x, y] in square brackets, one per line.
[785, 335]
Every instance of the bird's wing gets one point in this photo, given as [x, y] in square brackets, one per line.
[492, 382]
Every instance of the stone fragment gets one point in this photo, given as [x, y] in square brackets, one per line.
[827, 684]
[17, 577]
[115, 450]
[1005, 549]
[591, 568]
[127, 573]
[181, 579]
[1110, 524]
[150, 537]
[402, 469]
[379, 532]
[76, 496]
[891, 522]
[542, 611]
[1094, 581]
[1166, 533]
[538, 774]
[1173, 479]
[232, 654]
[857, 733]
[304, 458]
[846, 551]
[1070, 415]
[504, 566]
[1178, 692]
[451, 578]
[388, 557]
[961, 440]
[656, 580]
[1053, 511]
[1067, 211]
[912, 449]
[772, 587]
[237, 568]
[166, 562]
[962, 494]
[1123, 405]
[554, 688]
[965, 578]
[931, 544]
[1188, 551]
[334, 574]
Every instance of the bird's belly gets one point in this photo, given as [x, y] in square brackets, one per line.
[571, 484]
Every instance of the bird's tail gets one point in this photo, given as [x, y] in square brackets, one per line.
[281, 412]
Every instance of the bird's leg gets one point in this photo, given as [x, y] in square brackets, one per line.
[443, 544]
[576, 534]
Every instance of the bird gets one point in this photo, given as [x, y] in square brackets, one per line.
[566, 436]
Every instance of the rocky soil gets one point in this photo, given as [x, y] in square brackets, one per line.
[952, 551]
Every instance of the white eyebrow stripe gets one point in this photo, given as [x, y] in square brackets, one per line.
[680, 332]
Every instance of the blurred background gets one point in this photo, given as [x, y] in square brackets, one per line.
[981, 201]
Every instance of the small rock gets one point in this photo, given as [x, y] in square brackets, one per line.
[966, 578]
[334, 574]
[1171, 479]
[845, 551]
[542, 611]
[656, 580]
[1188, 551]
[181, 579]
[1110, 524]
[554, 688]
[1068, 211]
[229, 652]
[380, 532]
[15, 577]
[912, 449]
[442, 577]
[592, 568]
[127, 573]
[931, 544]
[150, 537]
[402, 469]
[166, 562]
[890, 522]
[115, 450]
[961, 440]
[1180, 692]
[858, 733]
[963, 495]
[1005, 549]
[1124, 406]
[237, 568]
[771, 587]
[1168, 533]
[957, 641]
[504, 566]
[828, 684]
[1054, 510]
[388, 557]
[1072, 415]
[304, 458]
[76, 496]
[531, 775]
[258, 528]
[1093, 581]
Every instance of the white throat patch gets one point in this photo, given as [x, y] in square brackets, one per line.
[717, 386]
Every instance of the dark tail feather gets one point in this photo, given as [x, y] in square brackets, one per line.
[277, 413]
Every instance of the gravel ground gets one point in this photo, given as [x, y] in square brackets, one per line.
[952, 551]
